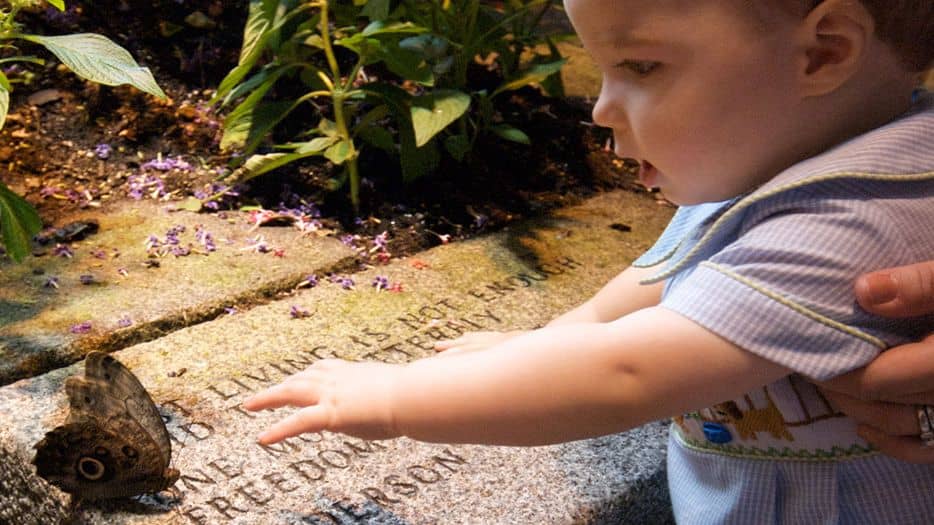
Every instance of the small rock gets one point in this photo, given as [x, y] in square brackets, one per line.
[44, 96]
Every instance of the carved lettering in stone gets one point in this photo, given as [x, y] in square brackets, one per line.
[199, 431]
[225, 507]
[226, 468]
[281, 483]
[254, 494]
[308, 469]
[193, 479]
[196, 515]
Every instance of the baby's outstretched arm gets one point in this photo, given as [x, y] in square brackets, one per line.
[555, 384]
[620, 296]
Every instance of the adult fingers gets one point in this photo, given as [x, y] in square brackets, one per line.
[904, 448]
[894, 419]
[904, 374]
[310, 419]
[907, 291]
[291, 392]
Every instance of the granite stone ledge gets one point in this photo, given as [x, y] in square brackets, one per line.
[36, 320]
[199, 375]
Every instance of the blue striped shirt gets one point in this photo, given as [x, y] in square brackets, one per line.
[772, 272]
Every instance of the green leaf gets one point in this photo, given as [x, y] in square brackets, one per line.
[433, 112]
[248, 128]
[379, 137]
[508, 132]
[536, 73]
[408, 65]
[97, 58]
[260, 164]
[58, 4]
[261, 26]
[4, 103]
[19, 221]
[246, 125]
[458, 146]
[376, 10]
[416, 162]
[395, 28]
[340, 152]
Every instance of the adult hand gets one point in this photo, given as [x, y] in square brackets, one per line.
[882, 396]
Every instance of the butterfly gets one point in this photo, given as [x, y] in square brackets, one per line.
[113, 443]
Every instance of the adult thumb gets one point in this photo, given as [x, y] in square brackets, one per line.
[906, 291]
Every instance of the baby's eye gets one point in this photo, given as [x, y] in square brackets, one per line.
[639, 67]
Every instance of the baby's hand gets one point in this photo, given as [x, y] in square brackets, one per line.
[335, 395]
[474, 341]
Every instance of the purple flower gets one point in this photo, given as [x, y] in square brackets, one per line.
[380, 282]
[124, 321]
[103, 151]
[258, 245]
[381, 241]
[345, 282]
[140, 185]
[48, 191]
[160, 164]
[348, 240]
[51, 282]
[205, 238]
[63, 250]
[99, 253]
[81, 328]
[181, 251]
[230, 310]
[297, 312]
[311, 281]
[86, 279]
[152, 243]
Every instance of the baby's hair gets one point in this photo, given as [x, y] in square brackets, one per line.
[906, 25]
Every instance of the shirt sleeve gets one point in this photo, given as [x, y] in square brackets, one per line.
[685, 221]
[783, 288]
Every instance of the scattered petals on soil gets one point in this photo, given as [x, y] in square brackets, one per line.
[63, 250]
[419, 264]
[297, 312]
[81, 328]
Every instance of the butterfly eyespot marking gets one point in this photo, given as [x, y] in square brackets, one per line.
[129, 451]
[90, 468]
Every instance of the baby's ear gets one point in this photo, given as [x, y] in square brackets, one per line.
[832, 42]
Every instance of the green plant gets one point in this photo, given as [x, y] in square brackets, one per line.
[90, 56]
[420, 48]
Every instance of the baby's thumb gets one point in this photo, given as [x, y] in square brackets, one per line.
[907, 291]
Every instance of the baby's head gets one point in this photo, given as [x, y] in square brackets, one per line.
[715, 97]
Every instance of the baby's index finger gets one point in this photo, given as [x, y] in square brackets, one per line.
[311, 419]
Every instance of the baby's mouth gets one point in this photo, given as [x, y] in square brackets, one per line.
[648, 174]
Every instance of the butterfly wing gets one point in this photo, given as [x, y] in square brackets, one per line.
[113, 443]
[124, 386]
[92, 463]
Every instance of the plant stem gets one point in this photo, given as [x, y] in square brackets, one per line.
[338, 95]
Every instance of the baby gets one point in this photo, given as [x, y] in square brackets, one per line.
[792, 137]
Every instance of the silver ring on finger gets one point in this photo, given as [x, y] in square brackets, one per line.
[926, 424]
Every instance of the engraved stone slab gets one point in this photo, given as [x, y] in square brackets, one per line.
[199, 376]
[127, 297]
